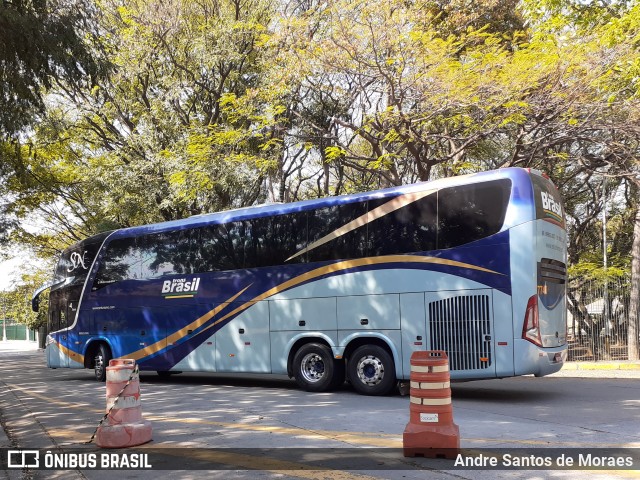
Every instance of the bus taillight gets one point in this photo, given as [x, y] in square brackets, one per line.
[531, 327]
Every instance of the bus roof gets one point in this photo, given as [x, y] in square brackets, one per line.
[516, 174]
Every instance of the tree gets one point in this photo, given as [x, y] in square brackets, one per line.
[602, 121]
[16, 302]
[420, 96]
[178, 127]
[40, 40]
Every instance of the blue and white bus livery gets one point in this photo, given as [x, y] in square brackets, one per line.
[346, 286]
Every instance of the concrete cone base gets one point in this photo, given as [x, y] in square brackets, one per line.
[124, 435]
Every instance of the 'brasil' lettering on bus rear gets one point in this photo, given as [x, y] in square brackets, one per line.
[181, 285]
[549, 203]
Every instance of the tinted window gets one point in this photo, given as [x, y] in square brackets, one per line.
[470, 212]
[323, 225]
[288, 237]
[122, 261]
[464, 214]
[76, 261]
[272, 240]
[60, 301]
[411, 228]
[167, 253]
[220, 247]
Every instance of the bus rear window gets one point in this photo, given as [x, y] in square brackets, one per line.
[471, 212]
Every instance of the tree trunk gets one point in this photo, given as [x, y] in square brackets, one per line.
[634, 304]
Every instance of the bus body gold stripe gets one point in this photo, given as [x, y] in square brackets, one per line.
[174, 337]
[311, 275]
[75, 356]
[345, 265]
[379, 212]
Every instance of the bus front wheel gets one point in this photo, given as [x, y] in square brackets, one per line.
[314, 368]
[101, 362]
[371, 370]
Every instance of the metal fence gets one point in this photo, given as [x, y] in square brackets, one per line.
[11, 330]
[597, 319]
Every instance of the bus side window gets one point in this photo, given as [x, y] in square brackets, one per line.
[220, 247]
[288, 236]
[325, 221]
[411, 228]
[166, 253]
[471, 212]
[272, 240]
[54, 320]
[121, 261]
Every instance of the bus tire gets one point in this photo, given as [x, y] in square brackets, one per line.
[101, 362]
[314, 368]
[339, 374]
[371, 370]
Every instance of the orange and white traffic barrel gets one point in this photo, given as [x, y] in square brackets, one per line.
[431, 431]
[125, 426]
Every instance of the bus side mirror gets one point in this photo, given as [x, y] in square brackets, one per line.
[35, 299]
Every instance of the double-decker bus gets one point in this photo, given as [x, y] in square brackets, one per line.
[323, 290]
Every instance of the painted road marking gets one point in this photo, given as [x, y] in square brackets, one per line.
[292, 469]
[383, 440]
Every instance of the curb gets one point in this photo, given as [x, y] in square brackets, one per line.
[601, 366]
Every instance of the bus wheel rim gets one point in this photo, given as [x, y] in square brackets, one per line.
[99, 364]
[312, 367]
[370, 370]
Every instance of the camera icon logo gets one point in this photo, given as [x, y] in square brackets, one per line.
[23, 459]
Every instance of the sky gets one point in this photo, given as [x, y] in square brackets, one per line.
[19, 260]
[12, 269]
[9, 272]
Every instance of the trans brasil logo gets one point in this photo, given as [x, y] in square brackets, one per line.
[180, 287]
[550, 205]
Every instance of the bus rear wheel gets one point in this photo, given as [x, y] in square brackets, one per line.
[315, 369]
[101, 362]
[371, 370]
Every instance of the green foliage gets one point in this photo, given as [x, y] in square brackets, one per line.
[180, 126]
[15, 304]
[40, 40]
[219, 104]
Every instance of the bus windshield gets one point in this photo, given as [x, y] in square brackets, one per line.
[75, 262]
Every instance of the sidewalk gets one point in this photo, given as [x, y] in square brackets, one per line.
[601, 369]
[17, 345]
[7, 349]
[602, 365]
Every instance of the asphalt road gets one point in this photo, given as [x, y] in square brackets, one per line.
[257, 427]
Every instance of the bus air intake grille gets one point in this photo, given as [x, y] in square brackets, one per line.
[461, 326]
